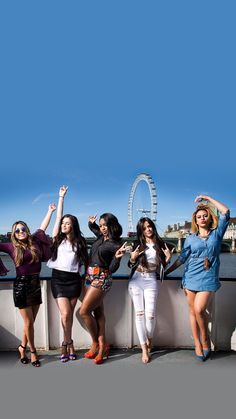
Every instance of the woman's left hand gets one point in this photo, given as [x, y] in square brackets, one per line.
[168, 253]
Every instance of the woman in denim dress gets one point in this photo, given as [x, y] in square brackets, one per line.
[201, 250]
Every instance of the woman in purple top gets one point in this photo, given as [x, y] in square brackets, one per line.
[27, 252]
[201, 275]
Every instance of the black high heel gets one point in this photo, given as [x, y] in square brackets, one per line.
[24, 360]
[36, 363]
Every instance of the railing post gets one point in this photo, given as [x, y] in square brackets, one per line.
[45, 314]
[212, 324]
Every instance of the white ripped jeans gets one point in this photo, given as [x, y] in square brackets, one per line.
[143, 289]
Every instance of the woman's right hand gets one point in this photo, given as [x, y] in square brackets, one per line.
[201, 198]
[62, 191]
[92, 218]
[52, 207]
[135, 254]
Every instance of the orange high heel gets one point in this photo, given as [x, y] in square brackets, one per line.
[91, 354]
[100, 357]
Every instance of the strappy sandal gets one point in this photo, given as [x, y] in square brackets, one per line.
[72, 356]
[35, 363]
[64, 356]
[91, 354]
[100, 357]
[24, 360]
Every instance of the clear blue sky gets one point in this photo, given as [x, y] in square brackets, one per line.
[94, 93]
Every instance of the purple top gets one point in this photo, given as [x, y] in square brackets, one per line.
[41, 242]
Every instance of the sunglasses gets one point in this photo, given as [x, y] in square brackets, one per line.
[21, 230]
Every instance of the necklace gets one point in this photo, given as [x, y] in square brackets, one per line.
[204, 236]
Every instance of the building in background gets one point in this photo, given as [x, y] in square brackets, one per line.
[177, 230]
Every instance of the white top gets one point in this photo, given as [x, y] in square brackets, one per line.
[66, 258]
[151, 254]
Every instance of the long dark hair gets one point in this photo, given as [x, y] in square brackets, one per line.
[158, 242]
[113, 225]
[77, 240]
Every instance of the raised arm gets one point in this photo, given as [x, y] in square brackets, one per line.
[47, 218]
[62, 192]
[221, 207]
[93, 225]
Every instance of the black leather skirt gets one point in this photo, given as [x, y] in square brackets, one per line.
[27, 291]
[65, 284]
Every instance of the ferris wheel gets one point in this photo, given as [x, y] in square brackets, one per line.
[151, 212]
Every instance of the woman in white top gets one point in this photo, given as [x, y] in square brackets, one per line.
[147, 263]
[69, 253]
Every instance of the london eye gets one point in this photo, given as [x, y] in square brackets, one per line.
[150, 207]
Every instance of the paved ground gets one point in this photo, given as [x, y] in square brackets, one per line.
[125, 358]
[173, 385]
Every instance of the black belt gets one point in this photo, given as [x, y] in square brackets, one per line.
[27, 277]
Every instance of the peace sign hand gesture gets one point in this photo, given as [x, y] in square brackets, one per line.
[62, 191]
[92, 218]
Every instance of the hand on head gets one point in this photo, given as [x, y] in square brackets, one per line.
[200, 198]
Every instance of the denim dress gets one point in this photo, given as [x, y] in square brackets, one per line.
[196, 249]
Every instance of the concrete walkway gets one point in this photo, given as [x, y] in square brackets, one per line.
[124, 358]
[173, 385]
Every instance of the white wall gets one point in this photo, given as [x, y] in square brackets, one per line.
[172, 329]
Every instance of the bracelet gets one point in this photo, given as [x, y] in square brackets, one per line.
[61, 196]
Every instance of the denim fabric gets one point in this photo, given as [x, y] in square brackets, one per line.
[195, 250]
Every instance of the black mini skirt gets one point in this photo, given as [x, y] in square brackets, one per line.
[65, 284]
[27, 291]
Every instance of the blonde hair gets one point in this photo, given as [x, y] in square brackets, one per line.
[20, 247]
[211, 215]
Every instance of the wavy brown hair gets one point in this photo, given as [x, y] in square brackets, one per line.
[159, 243]
[211, 215]
[20, 246]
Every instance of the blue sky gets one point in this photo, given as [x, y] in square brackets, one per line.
[94, 93]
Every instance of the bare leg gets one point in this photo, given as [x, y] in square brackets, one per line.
[92, 299]
[200, 304]
[100, 319]
[29, 314]
[66, 308]
[35, 310]
[191, 295]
